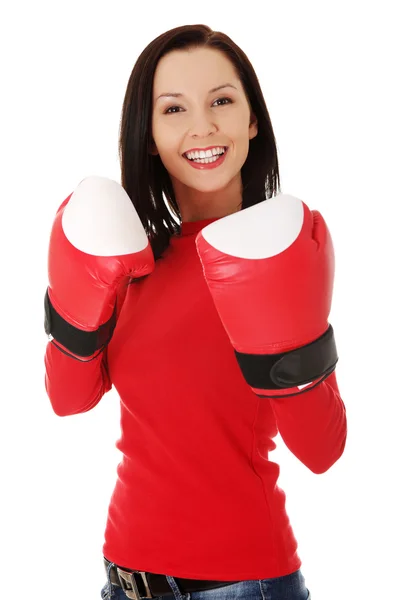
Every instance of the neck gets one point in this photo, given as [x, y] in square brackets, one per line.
[193, 227]
[195, 205]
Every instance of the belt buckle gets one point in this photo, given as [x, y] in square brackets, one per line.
[128, 578]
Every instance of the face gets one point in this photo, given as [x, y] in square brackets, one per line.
[197, 117]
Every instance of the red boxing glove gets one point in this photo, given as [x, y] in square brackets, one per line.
[270, 270]
[97, 241]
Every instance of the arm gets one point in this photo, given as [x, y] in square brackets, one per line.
[75, 386]
[97, 244]
[313, 425]
[270, 271]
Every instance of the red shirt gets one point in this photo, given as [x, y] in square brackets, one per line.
[196, 494]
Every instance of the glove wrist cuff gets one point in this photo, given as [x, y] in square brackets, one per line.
[77, 341]
[276, 373]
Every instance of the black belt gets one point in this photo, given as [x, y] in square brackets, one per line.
[141, 584]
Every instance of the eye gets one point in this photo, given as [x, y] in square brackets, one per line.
[169, 109]
[229, 100]
[167, 112]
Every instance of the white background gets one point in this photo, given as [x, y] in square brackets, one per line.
[329, 74]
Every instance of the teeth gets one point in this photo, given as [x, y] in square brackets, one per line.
[205, 154]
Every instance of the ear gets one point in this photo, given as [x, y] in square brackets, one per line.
[253, 127]
[153, 148]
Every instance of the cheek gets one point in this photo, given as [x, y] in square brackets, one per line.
[167, 140]
[240, 130]
[169, 153]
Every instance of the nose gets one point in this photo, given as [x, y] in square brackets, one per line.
[202, 125]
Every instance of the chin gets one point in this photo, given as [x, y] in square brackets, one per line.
[208, 187]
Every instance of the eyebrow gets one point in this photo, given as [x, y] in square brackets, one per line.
[179, 94]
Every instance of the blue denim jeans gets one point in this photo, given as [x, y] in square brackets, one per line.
[288, 587]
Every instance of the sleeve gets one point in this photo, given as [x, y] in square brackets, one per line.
[75, 387]
[313, 424]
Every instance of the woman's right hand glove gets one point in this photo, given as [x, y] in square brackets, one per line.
[97, 241]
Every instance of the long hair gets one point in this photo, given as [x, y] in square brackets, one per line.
[143, 175]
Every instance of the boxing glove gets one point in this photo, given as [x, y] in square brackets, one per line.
[270, 271]
[97, 243]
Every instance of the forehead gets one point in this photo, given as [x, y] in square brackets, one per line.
[193, 69]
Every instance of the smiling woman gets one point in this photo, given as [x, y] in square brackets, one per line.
[196, 512]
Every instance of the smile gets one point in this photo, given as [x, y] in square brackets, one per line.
[208, 162]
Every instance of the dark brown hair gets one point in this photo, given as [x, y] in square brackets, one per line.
[143, 175]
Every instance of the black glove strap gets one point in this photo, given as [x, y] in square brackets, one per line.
[293, 368]
[80, 342]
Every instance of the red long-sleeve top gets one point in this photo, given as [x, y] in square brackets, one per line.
[196, 494]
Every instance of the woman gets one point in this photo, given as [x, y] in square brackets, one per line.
[196, 512]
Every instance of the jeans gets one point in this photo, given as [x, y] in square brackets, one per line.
[288, 587]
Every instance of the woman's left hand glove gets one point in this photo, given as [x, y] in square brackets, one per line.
[270, 270]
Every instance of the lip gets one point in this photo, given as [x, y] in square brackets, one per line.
[207, 166]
